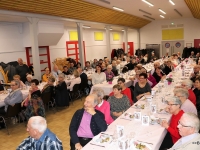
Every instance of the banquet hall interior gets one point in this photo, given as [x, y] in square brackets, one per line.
[44, 34]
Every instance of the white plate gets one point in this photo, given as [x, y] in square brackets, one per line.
[133, 146]
[102, 139]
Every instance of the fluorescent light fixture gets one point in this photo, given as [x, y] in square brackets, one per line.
[171, 2]
[110, 28]
[116, 8]
[86, 26]
[162, 16]
[150, 4]
[148, 17]
[162, 11]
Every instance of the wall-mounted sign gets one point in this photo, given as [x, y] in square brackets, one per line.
[167, 45]
[178, 44]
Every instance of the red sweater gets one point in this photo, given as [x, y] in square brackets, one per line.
[192, 97]
[126, 92]
[173, 130]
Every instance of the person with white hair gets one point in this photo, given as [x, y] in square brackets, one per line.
[118, 65]
[41, 138]
[29, 77]
[188, 127]
[187, 84]
[86, 123]
[187, 105]
[55, 72]
[109, 73]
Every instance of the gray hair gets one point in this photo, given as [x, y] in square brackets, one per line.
[94, 96]
[29, 76]
[38, 123]
[183, 92]
[188, 83]
[16, 82]
[99, 92]
[175, 100]
[109, 66]
[61, 75]
[192, 120]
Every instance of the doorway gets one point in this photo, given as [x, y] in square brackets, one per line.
[172, 47]
[130, 48]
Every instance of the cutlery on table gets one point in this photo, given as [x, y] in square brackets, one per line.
[145, 142]
[97, 145]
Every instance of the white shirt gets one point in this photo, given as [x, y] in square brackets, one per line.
[189, 107]
[73, 82]
[98, 78]
[118, 68]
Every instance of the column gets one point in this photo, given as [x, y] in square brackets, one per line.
[80, 43]
[126, 40]
[33, 25]
[108, 49]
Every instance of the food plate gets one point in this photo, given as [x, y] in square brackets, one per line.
[154, 120]
[102, 140]
[162, 111]
[129, 116]
[140, 146]
[139, 106]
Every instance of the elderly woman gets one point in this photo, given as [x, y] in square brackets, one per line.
[17, 77]
[98, 76]
[187, 105]
[77, 80]
[46, 75]
[142, 87]
[187, 84]
[62, 95]
[29, 77]
[168, 67]
[174, 108]
[119, 103]
[109, 73]
[158, 74]
[103, 105]
[49, 87]
[151, 80]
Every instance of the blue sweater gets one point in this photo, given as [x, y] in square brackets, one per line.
[97, 124]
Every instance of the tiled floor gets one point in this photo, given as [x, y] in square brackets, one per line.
[57, 123]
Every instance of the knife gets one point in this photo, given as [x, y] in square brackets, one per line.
[145, 142]
[97, 145]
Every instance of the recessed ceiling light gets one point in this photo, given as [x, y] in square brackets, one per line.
[162, 11]
[162, 16]
[172, 23]
[150, 4]
[84, 26]
[116, 8]
[171, 2]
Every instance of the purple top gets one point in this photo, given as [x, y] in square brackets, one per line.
[153, 80]
[84, 128]
[109, 75]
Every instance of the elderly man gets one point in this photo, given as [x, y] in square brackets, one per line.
[187, 105]
[22, 70]
[41, 138]
[86, 123]
[188, 127]
[55, 72]
[118, 65]
[132, 64]
[195, 73]
[14, 97]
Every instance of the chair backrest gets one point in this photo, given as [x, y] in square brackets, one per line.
[13, 110]
[76, 87]
[46, 97]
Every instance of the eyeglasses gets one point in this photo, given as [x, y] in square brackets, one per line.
[171, 104]
[179, 123]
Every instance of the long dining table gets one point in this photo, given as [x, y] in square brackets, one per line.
[151, 135]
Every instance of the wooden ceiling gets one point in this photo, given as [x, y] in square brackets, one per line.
[76, 9]
[194, 6]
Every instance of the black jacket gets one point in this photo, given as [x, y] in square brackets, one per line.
[157, 77]
[97, 124]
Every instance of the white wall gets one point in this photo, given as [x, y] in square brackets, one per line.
[11, 44]
[152, 32]
[133, 37]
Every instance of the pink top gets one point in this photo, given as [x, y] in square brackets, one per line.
[84, 128]
[104, 107]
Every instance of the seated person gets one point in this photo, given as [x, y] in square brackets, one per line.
[195, 73]
[119, 103]
[95, 62]
[47, 74]
[132, 64]
[158, 74]
[118, 65]
[15, 96]
[40, 136]
[103, 105]
[142, 87]
[77, 80]
[17, 77]
[65, 70]
[98, 76]
[172, 136]
[78, 65]
[49, 87]
[156, 65]
[71, 68]
[187, 105]
[103, 66]
[87, 66]
[126, 91]
[86, 123]
[168, 67]
[29, 77]
[188, 127]
[151, 80]
[109, 73]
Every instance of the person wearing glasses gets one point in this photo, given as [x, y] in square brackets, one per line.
[188, 127]
[142, 87]
[187, 105]
[172, 136]
[14, 97]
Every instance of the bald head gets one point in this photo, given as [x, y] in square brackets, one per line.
[20, 61]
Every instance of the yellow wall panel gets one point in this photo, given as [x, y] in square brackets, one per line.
[173, 34]
[98, 36]
[116, 36]
[73, 36]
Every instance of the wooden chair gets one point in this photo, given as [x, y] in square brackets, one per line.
[47, 100]
[4, 75]
[75, 93]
